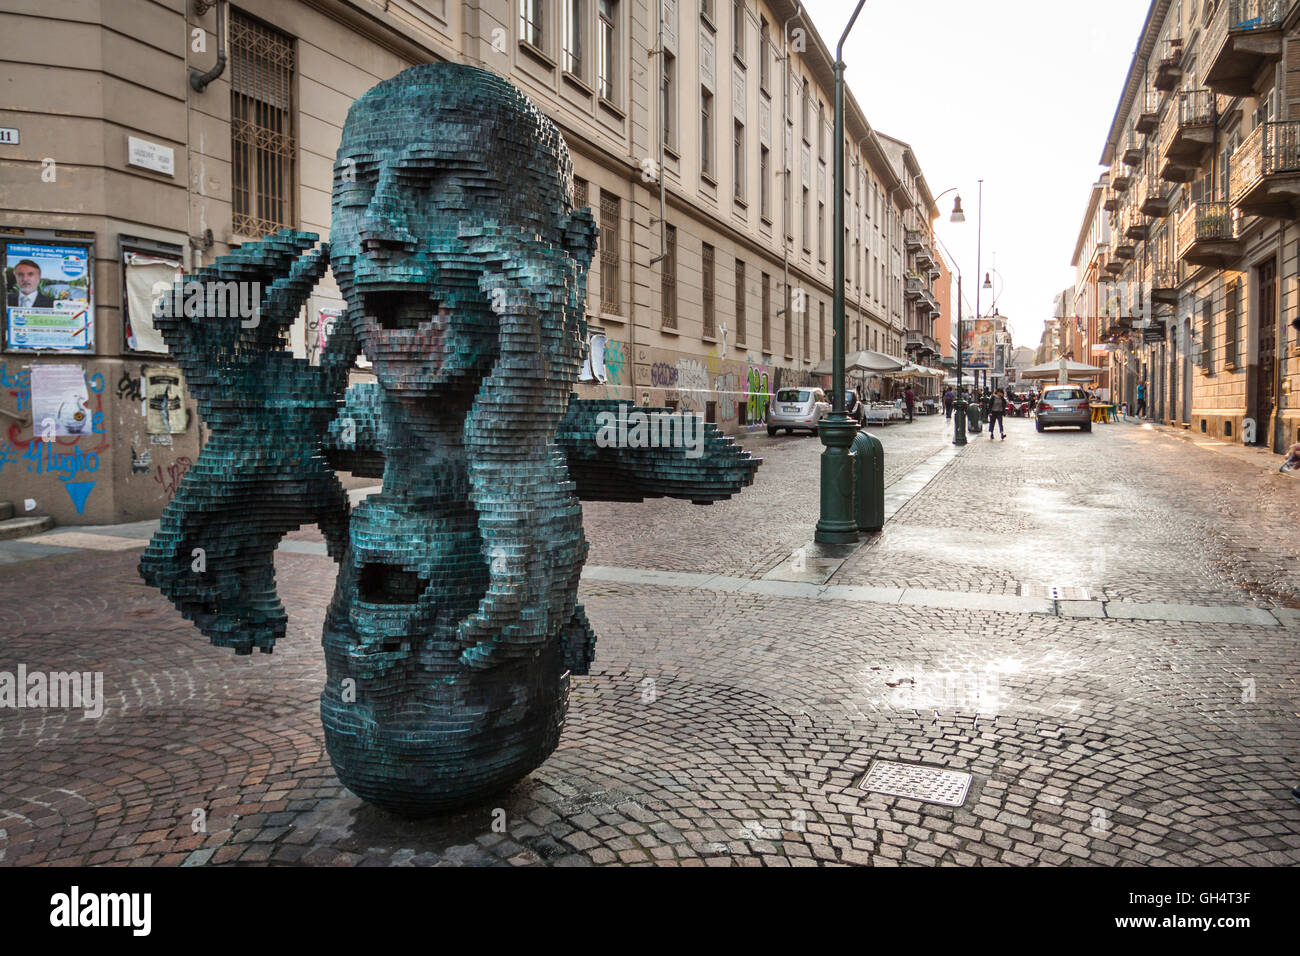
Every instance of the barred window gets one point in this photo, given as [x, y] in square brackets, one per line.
[670, 278]
[807, 323]
[579, 192]
[740, 301]
[706, 283]
[821, 328]
[1207, 336]
[767, 313]
[261, 127]
[610, 282]
[787, 331]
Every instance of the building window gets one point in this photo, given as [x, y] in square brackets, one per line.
[764, 182]
[263, 145]
[821, 329]
[807, 112]
[738, 29]
[807, 324]
[738, 158]
[740, 301]
[706, 10]
[767, 313]
[1230, 331]
[818, 132]
[706, 132]
[607, 49]
[1207, 336]
[530, 21]
[669, 103]
[706, 282]
[572, 54]
[764, 68]
[579, 192]
[787, 327]
[821, 230]
[669, 288]
[803, 221]
[610, 282]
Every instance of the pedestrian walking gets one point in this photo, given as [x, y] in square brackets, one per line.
[1142, 400]
[997, 411]
[948, 399]
[909, 399]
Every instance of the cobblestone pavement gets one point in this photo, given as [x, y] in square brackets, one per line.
[727, 727]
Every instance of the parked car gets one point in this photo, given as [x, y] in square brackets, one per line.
[797, 408]
[1064, 405]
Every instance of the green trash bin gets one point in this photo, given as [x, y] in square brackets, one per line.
[869, 481]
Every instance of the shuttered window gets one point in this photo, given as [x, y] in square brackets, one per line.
[710, 321]
[1231, 327]
[1207, 336]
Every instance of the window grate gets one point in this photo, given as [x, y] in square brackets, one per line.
[263, 146]
[670, 278]
[610, 281]
[740, 301]
[710, 323]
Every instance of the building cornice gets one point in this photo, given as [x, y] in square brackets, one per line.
[1136, 79]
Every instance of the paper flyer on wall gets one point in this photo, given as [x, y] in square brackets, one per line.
[60, 401]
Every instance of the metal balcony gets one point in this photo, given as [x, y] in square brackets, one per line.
[1132, 155]
[1169, 68]
[1120, 178]
[1157, 199]
[1188, 134]
[913, 239]
[1207, 235]
[1111, 202]
[1245, 39]
[1148, 118]
[925, 257]
[1115, 267]
[1264, 174]
[1164, 284]
[912, 339]
[1135, 224]
[913, 286]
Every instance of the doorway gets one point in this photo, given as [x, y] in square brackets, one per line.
[1266, 365]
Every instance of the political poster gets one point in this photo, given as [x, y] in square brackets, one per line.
[49, 302]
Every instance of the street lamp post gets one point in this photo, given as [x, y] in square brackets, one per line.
[958, 403]
[837, 524]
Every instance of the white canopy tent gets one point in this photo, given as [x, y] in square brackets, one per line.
[866, 360]
[1062, 371]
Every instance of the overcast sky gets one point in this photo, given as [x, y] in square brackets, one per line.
[1019, 93]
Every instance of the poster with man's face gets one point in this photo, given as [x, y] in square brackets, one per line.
[48, 297]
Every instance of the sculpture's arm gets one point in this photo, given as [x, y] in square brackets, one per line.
[262, 471]
[611, 473]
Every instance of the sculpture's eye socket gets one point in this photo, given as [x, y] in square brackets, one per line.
[421, 176]
[400, 309]
[354, 183]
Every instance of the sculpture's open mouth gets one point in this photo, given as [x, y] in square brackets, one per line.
[403, 308]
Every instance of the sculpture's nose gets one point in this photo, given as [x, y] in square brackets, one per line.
[383, 229]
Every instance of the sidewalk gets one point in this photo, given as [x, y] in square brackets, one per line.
[1259, 457]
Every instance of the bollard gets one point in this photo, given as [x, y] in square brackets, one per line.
[869, 482]
[973, 418]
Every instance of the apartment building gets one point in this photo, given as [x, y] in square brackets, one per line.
[1092, 254]
[1202, 186]
[117, 171]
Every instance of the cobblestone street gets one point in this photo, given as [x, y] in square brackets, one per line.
[1100, 628]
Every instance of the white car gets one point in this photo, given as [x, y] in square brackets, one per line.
[797, 409]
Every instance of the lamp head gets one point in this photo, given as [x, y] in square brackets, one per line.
[988, 283]
[957, 214]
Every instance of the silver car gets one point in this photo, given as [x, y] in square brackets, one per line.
[797, 408]
[1063, 405]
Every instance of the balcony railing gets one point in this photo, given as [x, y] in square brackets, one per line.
[1169, 68]
[1156, 198]
[1207, 233]
[1264, 174]
[1188, 131]
[1148, 118]
[1245, 35]
[1132, 154]
[1120, 178]
[913, 286]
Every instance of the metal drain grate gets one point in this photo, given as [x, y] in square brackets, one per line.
[1055, 592]
[947, 788]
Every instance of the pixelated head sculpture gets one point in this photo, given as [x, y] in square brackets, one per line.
[463, 263]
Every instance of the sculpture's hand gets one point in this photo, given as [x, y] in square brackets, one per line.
[263, 470]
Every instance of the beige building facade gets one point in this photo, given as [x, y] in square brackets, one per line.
[1202, 190]
[125, 159]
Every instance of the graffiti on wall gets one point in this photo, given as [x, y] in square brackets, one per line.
[71, 459]
[171, 476]
[758, 392]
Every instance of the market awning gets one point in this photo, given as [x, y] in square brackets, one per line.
[863, 361]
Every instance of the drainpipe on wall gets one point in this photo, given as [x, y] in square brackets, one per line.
[787, 157]
[199, 81]
[659, 49]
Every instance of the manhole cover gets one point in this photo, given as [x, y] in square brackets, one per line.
[928, 784]
[1055, 592]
